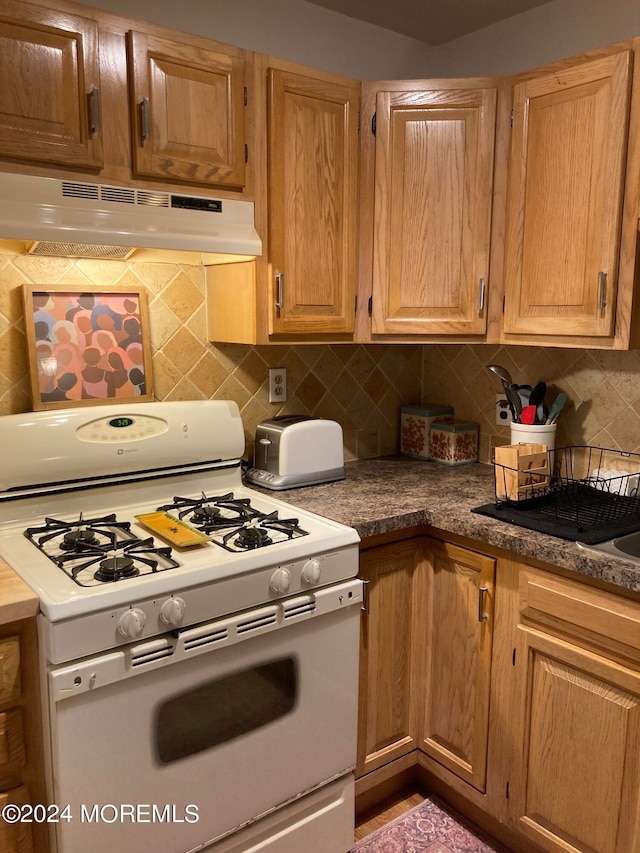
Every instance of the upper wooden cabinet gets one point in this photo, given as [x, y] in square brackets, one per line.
[312, 203]
[432, 186]
[50, 91]
[187, 111]
[303, 287]
[565, 203]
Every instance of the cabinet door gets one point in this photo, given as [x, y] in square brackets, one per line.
[387, 713]
[565, 199]
[49, 97]
[433, 190]
[312, 199]
[577, 780]
[187, 111]
[456, 616]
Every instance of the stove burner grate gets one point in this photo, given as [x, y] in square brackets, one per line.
[233, 523]
[208, 512]
[78, 547]
[259, 532]
[75, 534]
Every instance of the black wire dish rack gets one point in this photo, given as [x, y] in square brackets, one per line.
[577, 492]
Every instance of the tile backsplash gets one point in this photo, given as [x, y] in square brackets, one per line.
[362, 387]
[603, 390]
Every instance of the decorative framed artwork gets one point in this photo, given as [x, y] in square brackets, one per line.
[87, 346]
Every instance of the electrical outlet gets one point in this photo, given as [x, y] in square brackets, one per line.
[277, 384]
[503, 412]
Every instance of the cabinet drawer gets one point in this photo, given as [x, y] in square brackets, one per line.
[9, 670]
[597, 617]
[12, 753]
[15, 837]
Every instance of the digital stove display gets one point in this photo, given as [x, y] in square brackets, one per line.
[99, 550]
[233, 523]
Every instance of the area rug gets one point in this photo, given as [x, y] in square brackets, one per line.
[431, 827]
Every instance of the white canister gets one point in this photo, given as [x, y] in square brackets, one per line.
[534, 433]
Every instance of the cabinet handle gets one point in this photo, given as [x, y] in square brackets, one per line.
[145, 132]
[602, 289]
[280, 290]
[94, 111]
[482, 591]
[365, 596]
[481, 293]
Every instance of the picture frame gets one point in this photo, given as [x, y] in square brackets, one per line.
[87, 345]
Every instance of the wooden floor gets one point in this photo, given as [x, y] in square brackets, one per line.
[387, 810]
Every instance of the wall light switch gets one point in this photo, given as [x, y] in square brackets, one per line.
[277, 384]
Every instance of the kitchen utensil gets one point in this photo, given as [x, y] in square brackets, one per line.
[528, 415]
[524, 392]
[537, 394]
[502, 373]
[515, 403]
[556, 408]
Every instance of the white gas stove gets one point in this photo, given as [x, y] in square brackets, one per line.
[134, 528]
[64, 472]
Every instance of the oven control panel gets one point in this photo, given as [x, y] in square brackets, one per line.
[150, 617]
[121, 428]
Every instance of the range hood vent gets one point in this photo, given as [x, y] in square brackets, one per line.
[67, 217]
[45, 248]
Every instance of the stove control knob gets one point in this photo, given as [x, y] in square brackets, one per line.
[311, 572]
[172, 611]
[280, 581]
[131, 623]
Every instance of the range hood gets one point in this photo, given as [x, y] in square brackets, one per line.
[79, 219]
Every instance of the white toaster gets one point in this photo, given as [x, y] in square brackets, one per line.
[297, 450]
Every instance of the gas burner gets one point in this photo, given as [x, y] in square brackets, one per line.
[77, 539]
[252, 537]
[114, 568]
[260, 531]
[205, 514]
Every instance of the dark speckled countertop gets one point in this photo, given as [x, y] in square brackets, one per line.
[392, 493]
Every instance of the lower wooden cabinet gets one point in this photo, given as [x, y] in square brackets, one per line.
[576, 774]
[516, 689]
[21, 754]
[455, 603]
[387, 726]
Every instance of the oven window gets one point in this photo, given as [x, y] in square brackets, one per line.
[224, 709]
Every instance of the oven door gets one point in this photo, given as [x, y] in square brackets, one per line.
[170, 744]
